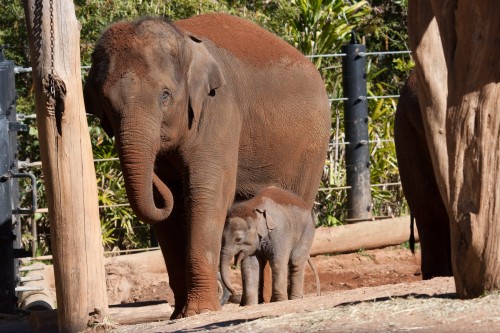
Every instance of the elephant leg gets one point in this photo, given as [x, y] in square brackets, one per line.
[172, 238]
[203, 257]
[435, 244]
[250, 273]
[280, 279]
[298, 260]
[419, 185]
[296, 278]
[211, 191]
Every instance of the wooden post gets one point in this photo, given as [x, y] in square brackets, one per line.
[456, 55]
[67, 165]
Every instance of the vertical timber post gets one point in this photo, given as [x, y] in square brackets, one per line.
[7, 237]
[356, 131]
[67, 164]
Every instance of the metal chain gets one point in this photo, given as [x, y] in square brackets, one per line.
[52, 85]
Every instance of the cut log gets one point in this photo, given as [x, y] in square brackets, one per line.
[46, 321]
[127, 315]
[362, 235]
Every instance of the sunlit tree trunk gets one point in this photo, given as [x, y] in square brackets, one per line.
[455, 47]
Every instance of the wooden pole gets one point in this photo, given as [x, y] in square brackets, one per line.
[456, 56]
[67, 163]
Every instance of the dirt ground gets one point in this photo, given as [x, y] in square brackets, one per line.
[368, 291]
[336, 272]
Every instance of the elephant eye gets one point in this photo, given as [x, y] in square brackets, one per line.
[165, 97]
[238, 240]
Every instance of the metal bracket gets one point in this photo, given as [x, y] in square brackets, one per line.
[15, 126]
[21, 253]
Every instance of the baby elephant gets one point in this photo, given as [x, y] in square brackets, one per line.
[274, 226]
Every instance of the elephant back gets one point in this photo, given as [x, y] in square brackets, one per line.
[242, 38]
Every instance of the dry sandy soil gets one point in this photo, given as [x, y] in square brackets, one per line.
[369, 291]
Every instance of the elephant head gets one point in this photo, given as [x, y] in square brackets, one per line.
[147, 84]
[243, 232]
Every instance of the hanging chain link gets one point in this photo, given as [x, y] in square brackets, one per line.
[52, 84]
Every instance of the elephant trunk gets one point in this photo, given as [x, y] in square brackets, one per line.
[225, 262]
[150, 199]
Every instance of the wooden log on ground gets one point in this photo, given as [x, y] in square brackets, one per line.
[361, 235]
[46, 321]
[127, 315]
[67, 162]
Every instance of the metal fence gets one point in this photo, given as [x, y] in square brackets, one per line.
[336, 155]
[10, 223]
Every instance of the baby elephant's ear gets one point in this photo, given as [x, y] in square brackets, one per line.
[269, 221]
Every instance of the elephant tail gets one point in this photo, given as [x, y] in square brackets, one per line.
[318, 286]
[412, 233]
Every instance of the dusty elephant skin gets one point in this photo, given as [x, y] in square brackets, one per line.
[205, 111]
[419, 184]
[274, 226]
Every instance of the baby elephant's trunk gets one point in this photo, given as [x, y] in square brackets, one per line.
[225, 262]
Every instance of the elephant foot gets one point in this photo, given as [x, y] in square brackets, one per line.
[177, 314]
[194, 308]
[278, 298]
[296, 296]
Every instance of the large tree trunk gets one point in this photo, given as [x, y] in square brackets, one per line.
[68, 168]
[455, 48]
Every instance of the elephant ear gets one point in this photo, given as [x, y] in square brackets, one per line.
[94, 103]
[204, 76]
[264, 229]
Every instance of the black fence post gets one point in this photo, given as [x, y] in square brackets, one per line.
[359, 200]
[8, 239]
[10, 223]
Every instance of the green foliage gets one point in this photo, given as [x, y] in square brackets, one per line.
[321, 27]
[313, 26]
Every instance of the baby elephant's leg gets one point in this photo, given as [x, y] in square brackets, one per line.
[250, 276]
[296, 276]
[280, 280]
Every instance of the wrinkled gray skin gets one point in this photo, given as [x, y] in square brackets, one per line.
[205, 111]
[274, 226]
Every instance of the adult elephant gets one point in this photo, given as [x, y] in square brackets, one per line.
[205, 111]
[419, 184]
